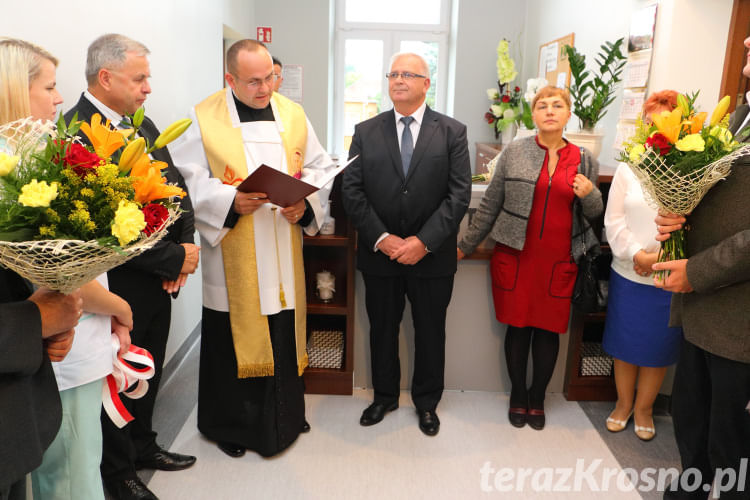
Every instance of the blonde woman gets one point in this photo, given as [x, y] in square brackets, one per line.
[70, 466]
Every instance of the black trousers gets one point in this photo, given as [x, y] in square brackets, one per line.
[122, 447]
[385, 302]
[711, 422]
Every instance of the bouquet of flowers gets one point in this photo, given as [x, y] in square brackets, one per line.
[679, 158]
[487, 176]
[506, 103]
[69, 212]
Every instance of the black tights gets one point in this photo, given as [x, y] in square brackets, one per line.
[544, 347]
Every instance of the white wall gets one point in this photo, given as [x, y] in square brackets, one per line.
[701, 27]
[481, 25]
[185, 39]
[300, 35]
[593, 23]
[689, 44]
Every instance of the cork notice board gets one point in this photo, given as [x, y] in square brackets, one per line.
[553, 63]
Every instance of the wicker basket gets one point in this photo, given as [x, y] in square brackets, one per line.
[325, 349]
[65, 265]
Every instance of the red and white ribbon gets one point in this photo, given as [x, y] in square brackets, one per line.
[125, 376]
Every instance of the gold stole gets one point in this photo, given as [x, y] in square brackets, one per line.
[225, 152]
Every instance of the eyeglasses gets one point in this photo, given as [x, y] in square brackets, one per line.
[257, 82]
[404, 74]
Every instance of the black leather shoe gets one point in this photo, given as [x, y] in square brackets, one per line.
[305, 426]
[375, 413]
[165, 460]
[536, 419]
[517, 417]
[129, 489]
[429, 423]
[231, 449]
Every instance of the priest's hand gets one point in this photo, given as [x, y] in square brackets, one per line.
[293, 213]
[410, 252]
[247, 203]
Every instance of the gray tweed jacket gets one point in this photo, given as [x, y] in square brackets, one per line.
[504, 210]
[716, 315]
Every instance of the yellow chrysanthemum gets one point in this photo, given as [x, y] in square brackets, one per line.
[37, 194]
[7, 163]
[129, 222]
[636, 152]
[692, 142]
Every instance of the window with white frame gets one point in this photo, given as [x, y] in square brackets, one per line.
[367, 35]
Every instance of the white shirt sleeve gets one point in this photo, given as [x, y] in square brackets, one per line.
[622, 240]
[212, 199]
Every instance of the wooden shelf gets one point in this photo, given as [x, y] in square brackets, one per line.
[328, 381]
[323, 308]
[333, 253]
[327, 240]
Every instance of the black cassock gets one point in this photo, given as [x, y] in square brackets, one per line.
[264, 414]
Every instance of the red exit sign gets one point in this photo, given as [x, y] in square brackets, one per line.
[264, 34]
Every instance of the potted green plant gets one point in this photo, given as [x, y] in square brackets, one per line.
[593, 93]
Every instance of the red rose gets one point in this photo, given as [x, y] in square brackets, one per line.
[81, 160]
[505, 98]
[516, 89]
[659, 143]
[155, 216]
[489, 117]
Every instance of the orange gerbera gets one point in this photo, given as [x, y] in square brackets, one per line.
[103, 137]
[152, 186]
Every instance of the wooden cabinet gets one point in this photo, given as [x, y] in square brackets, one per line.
[585, 355]
[334, 253]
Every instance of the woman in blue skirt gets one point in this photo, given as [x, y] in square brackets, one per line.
[637, 334]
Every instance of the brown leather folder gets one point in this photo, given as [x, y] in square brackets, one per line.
[282, 189]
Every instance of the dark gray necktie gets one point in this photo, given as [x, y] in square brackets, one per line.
[407, 143]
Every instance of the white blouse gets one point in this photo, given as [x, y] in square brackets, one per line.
[629, 224]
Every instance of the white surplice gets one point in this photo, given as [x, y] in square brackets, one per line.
[212, 201]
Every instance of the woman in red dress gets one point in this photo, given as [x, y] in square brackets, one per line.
[528, 209]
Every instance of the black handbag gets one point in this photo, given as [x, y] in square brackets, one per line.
[587, 294]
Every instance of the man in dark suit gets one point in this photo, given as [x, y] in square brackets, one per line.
[30, 409]
[117, 73]
[711, 394]
[406, 194]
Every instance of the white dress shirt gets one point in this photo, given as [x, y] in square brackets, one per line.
[414, 126]
[629, 224]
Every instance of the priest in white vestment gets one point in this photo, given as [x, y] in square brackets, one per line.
[251, 393]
